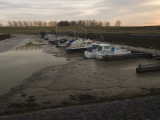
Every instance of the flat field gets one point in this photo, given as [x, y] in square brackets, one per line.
[99, 30]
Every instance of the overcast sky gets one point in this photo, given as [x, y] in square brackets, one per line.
[130, 12]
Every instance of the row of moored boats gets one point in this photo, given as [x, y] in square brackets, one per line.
[90, 48]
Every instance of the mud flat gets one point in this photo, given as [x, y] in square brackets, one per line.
[147, 108]
[79, 81]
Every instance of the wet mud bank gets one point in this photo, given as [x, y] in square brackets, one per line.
[77, 81]
[131, 109]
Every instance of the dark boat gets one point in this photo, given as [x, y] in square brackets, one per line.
[127, 56]
[157, 57]
[148, 67]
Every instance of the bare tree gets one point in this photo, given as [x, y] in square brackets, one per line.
[26, 23]
[73, 23]
[30, 23]
[15, 23]
[1, 24]
[107, 23]
[51, 23]
[19, 23]
[54, 23]
[100, 23]
[81, 22]
[118, 23]
[87, 23]
[45, 23]
[9, 23]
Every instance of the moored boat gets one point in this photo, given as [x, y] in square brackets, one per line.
[114, 50]
[157, 57]
[80, 45]
[100, 49]
[61, 42]
[117, 53]
[148, 67]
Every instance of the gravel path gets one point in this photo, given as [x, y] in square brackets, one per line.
[132, 109]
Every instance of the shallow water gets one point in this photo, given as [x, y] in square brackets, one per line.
[18, 64]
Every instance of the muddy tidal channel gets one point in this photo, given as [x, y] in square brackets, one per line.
[36, 75]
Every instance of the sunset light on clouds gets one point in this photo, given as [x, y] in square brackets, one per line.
[130, 12]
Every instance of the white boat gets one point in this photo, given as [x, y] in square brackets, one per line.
[117, 50]
[48, 36]
[53, 39]
[80, 45]
[114, 50]
[101, 49]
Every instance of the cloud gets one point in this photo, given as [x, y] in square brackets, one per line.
[130, 12]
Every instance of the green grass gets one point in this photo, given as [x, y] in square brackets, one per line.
[99, 30]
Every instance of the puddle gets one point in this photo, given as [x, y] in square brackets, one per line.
[22, 62]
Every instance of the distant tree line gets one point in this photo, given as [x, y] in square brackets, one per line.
[84, 23]
[94, 23]
[31, 23]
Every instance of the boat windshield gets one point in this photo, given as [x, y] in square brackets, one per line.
[88, 43]
[118, 48]
[106, 47]
[99, 48]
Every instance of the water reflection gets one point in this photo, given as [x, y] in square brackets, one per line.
[20, 63]
[29, 46]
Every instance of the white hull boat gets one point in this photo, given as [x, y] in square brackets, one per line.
[101, 49]
[115, 51]
[79, 46]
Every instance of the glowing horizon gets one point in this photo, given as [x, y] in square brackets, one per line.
[131, 13]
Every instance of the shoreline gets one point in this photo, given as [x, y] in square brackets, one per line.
[79, 82]
[139, 108]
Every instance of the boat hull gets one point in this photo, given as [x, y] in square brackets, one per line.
[127, 56]
[76, 50]
[99, 57]
[89, 55]
[148, 68]
[82, 49]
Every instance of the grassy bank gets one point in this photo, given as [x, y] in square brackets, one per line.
[100, 30]
[146, 36]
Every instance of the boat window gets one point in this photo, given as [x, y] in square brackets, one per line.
[118, 48]
[106, 47]
[99, 48]
[88, 43]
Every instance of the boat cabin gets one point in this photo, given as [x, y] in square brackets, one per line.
[119, 50]
[87, 43]
[104, 47]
